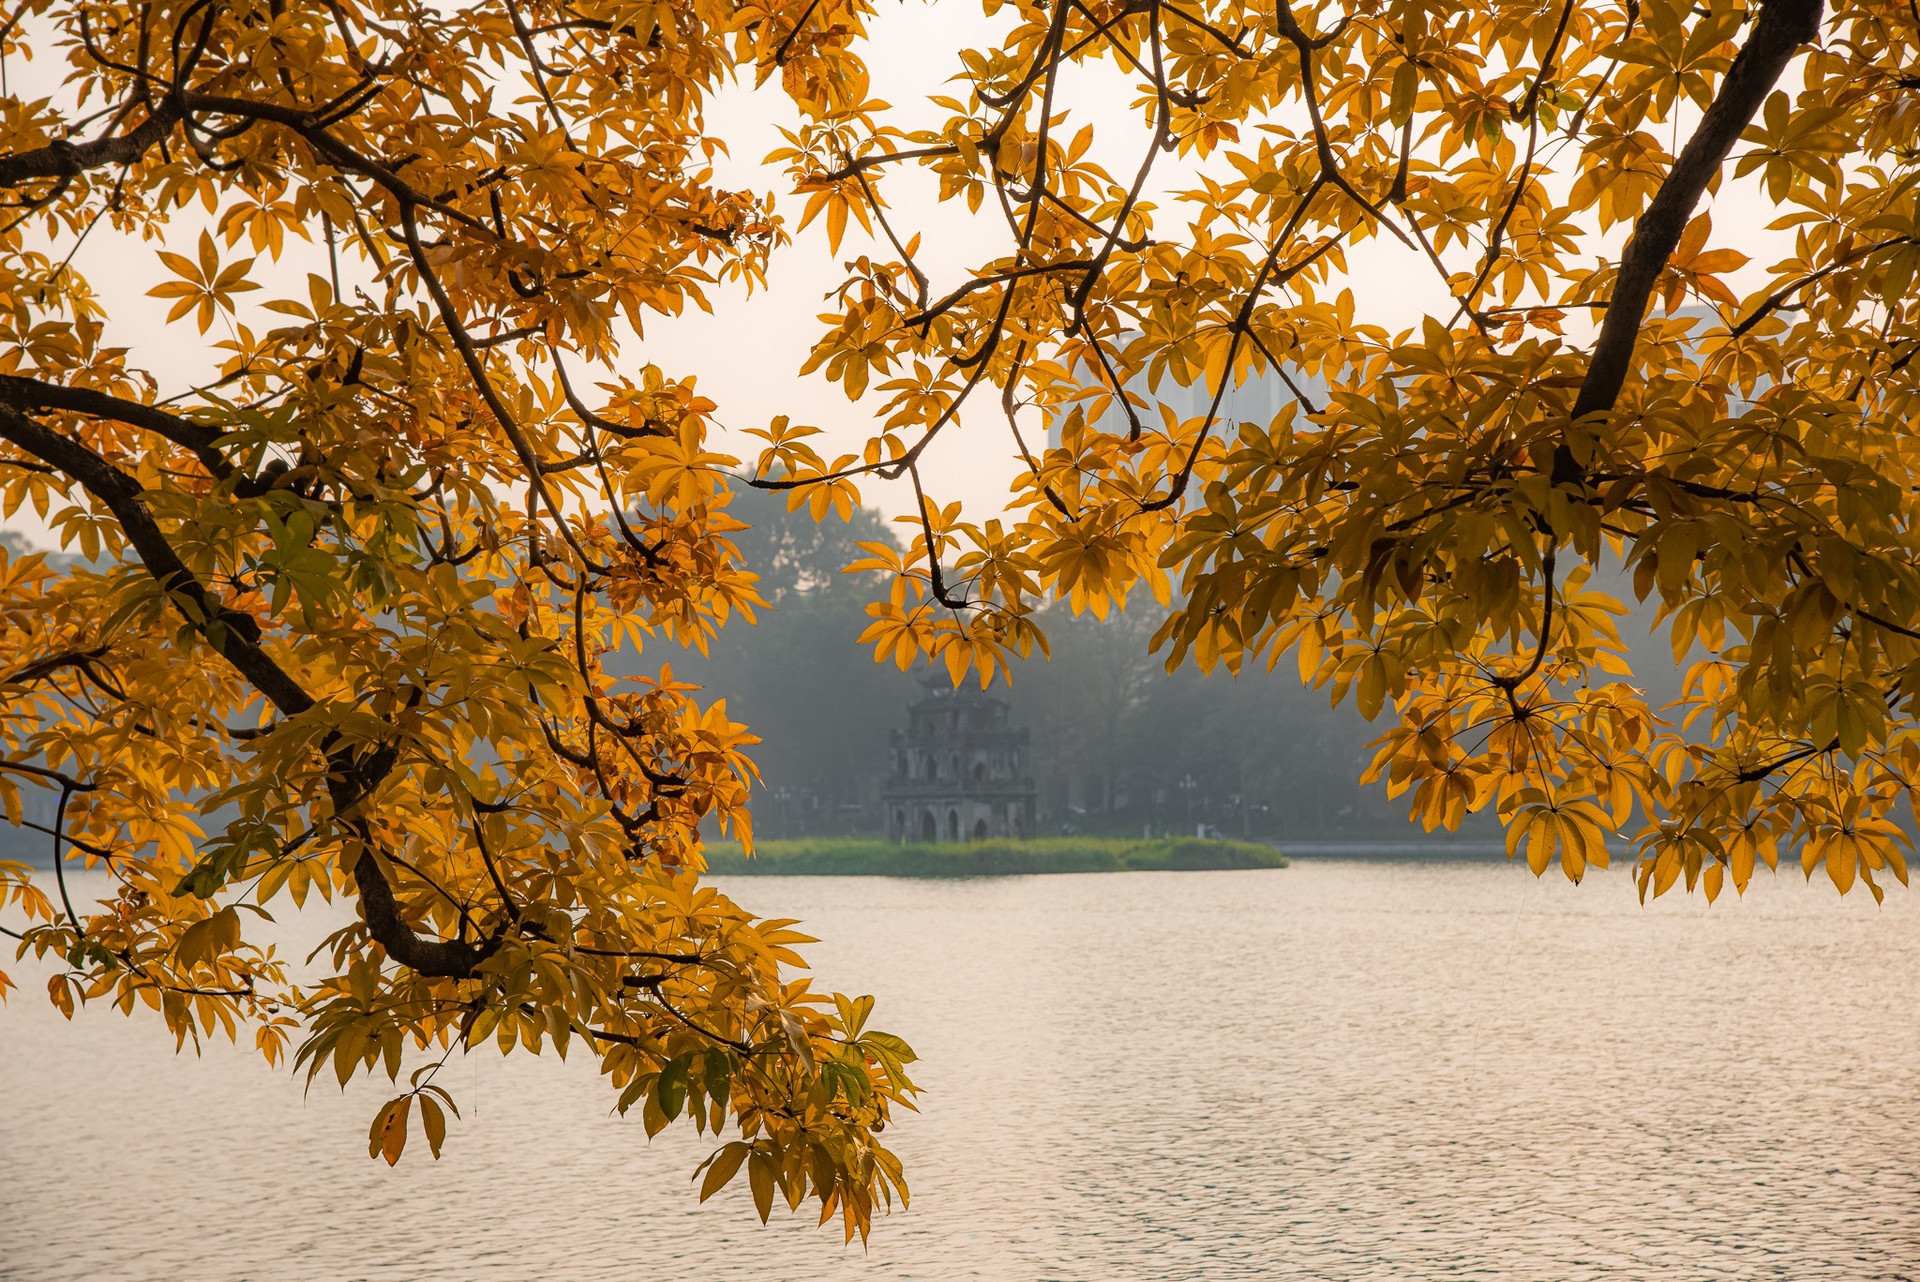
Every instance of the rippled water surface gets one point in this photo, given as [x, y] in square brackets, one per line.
[1344, 1070]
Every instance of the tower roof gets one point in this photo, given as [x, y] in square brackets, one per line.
[936, 685]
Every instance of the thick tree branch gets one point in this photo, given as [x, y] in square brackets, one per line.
[236, 636]
[28, 395]
[67, 160]
[1783, 26]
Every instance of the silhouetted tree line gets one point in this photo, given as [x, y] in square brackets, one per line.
[1120, 746]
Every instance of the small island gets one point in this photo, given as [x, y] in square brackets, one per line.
[864, 857]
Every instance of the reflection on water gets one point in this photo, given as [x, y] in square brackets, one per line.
[1345, 1070]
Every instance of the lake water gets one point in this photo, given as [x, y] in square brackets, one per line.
[1343, 1070]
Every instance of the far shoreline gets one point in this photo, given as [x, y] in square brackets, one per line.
[990, 857]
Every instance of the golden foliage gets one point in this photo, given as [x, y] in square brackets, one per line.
[1598, 390]
[349, 590]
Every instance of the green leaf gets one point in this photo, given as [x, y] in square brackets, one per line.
[671, 1089]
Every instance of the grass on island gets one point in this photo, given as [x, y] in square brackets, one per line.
[989, 857]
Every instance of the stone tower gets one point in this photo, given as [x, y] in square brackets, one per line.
[959, 770]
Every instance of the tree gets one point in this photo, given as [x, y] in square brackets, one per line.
[795, 557]
[348, 588]
[1255, 756]
[1114, 736]
[1422, 537]
[820, 710]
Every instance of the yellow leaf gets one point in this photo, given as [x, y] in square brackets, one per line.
[760, 1175]
[434, 1122]
[388, 1135]
[722, 1166]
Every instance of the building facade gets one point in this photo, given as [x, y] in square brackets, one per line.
[960, 771]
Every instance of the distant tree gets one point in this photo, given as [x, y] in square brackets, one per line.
[797, 556]
[1084, 702]
[1421, 537]
[1134, 746]
[1114, 734]
[821, 710]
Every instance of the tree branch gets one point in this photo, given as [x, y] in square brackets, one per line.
[1783, 26]
[67, 160]
[27, 395]
[235, 635]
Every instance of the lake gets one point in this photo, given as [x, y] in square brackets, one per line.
[1345, 1070]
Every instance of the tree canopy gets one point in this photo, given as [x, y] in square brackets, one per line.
[1423, 536]
[349, 586]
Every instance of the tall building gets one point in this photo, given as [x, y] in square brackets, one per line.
[960, 770]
